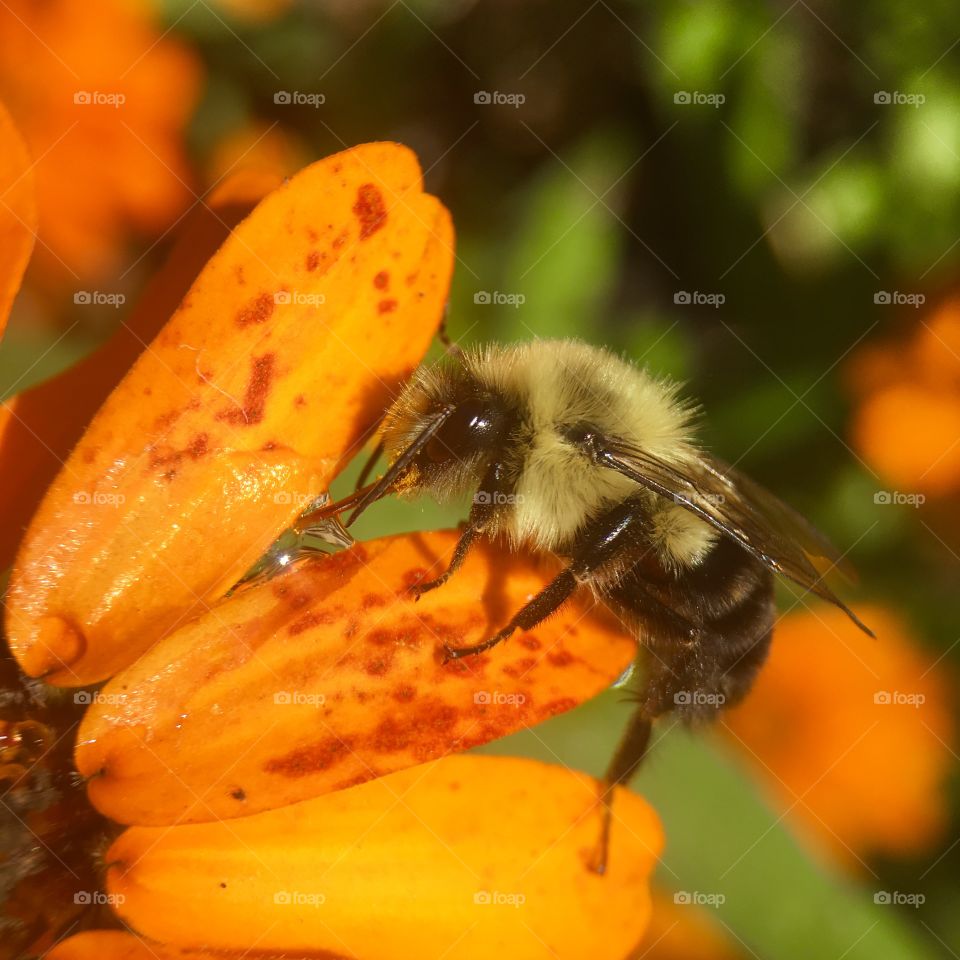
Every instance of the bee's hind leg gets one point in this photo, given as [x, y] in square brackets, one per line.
[630, 754]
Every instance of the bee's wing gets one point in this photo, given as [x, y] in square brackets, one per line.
[740, 509]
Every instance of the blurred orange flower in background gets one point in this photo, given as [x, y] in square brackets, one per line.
[907, 425]
[257, 146]
[102, 97]
[852, 736]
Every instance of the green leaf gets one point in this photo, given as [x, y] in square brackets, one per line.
[563, 260]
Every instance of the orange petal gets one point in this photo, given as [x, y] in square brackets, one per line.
[116, 945]
[833, 715]
[285, 351]
[18, 212]
[469, 857]
[40, 427]
[332, 674]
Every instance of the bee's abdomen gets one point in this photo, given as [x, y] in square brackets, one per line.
[705, 632]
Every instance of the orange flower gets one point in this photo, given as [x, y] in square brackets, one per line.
[837, 720]
[102, 99]
[236, 724]
[908, 423]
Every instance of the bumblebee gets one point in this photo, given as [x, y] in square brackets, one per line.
[567, 448]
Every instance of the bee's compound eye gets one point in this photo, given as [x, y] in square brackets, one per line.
[471, 427]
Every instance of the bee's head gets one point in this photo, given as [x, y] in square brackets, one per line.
[440, 435]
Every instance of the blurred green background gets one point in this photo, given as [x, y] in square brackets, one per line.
[718, 190]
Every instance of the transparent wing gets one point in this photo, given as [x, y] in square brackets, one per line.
[740, 509]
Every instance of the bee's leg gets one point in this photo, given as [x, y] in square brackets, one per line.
[459, 555]
[371, 462]
[630, 753]
[493, 492]
[539, 608]
[601, 544]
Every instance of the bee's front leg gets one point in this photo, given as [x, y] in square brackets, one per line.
[459, 555]
[489, 498]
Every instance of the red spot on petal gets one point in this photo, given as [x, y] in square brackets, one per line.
[382, 280]
[559, 706]
[379, 666]
[561, 658]
[416, 576]
[313, 258]
[255, 397]
[309, 759]
[386, 306]
[198, 446]
[258, 310]
[315, 618]
[370, 210]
